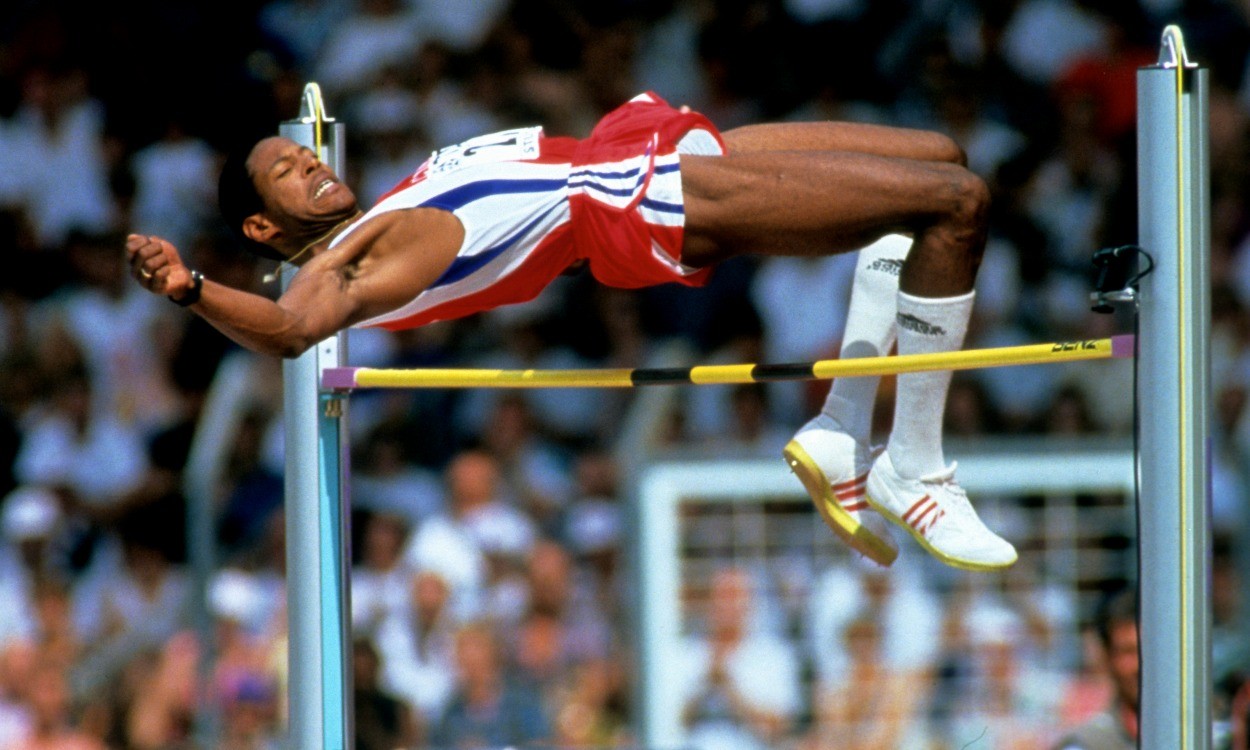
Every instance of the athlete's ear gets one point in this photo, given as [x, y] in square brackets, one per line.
[259, 228]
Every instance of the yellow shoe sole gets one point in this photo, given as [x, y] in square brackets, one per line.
[836, 518]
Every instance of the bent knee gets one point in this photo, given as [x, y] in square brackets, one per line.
[969, 196]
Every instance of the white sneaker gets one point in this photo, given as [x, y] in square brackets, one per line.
[833, 468]
[935, 511]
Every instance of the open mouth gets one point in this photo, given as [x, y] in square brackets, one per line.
[323, 188]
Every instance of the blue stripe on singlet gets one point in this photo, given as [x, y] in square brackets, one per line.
[459, 197]
[620, 192]
[671, 208]
[462, 268]
[584, 173]
[580, 174]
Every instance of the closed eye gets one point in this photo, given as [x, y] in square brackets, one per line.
[283, 165]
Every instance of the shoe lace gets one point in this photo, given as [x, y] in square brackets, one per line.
[954, 498]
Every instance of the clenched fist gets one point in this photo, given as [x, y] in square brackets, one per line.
[156, 265]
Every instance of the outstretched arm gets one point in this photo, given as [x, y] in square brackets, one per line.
[316, 305]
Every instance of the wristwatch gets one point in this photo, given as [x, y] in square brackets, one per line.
[193, 294]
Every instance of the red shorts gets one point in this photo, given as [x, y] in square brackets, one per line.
[625, 198]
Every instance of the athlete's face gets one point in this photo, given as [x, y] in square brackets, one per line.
[297, 187]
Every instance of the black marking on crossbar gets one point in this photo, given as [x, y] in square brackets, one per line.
[798, 371]
[660, 376]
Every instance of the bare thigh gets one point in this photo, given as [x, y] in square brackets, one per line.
[809, 202]
[863, 138]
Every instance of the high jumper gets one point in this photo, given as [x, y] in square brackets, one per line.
[654, 195]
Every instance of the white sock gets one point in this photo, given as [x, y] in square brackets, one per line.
[870, 332]
[925, 325]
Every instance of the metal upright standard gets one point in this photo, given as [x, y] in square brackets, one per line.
[1173, 402]
[317, 574]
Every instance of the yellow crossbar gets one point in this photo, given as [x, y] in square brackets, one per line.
[348, 378]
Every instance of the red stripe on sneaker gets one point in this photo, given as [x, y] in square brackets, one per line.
[915, 506]
[850, 494]
[915, 522]
[932, 522]
[861, 505]
[850, 483]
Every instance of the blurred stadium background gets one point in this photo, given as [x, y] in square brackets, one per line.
[495, 593]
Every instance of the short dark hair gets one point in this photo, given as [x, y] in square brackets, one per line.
[238, 198]
[1117, 608]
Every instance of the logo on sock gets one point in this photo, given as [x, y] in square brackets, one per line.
[892, 266]
[918, 325]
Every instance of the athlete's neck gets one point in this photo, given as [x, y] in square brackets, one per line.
[320, 243]
[322, 240]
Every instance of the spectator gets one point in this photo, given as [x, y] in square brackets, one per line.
[382, 721]
[1115, 728]
[416, 646]
[802, 302]
[29, 520]
[558, 588]
[534, 471]
[250, 711]
[564, 413]
[452, 109]
[456, 542]
[300, 27]
[159, 697]
[16, 718]
[594, 713]
[390, 116]
[94, 457]
[1230, 619]
[144, 601]
[170, 189]
[462, 27]
[53, 721]
[10, 436]
[124, 339]
[237, 603]
[987, 142]
[1106, 76]
[380, 581]
[379, 34]
[592, 530]
[487, 710]
[561, 627]
[753, 431]
[1044, 37]
[541, 657]
[55, 637]
[872, 705]
[55, 147]
[1013, 701]
[740, 686]
[907, 613]
[253, 489]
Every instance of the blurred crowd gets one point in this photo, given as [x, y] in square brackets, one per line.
[490, 598]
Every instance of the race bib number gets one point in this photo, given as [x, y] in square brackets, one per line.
[519, 144]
